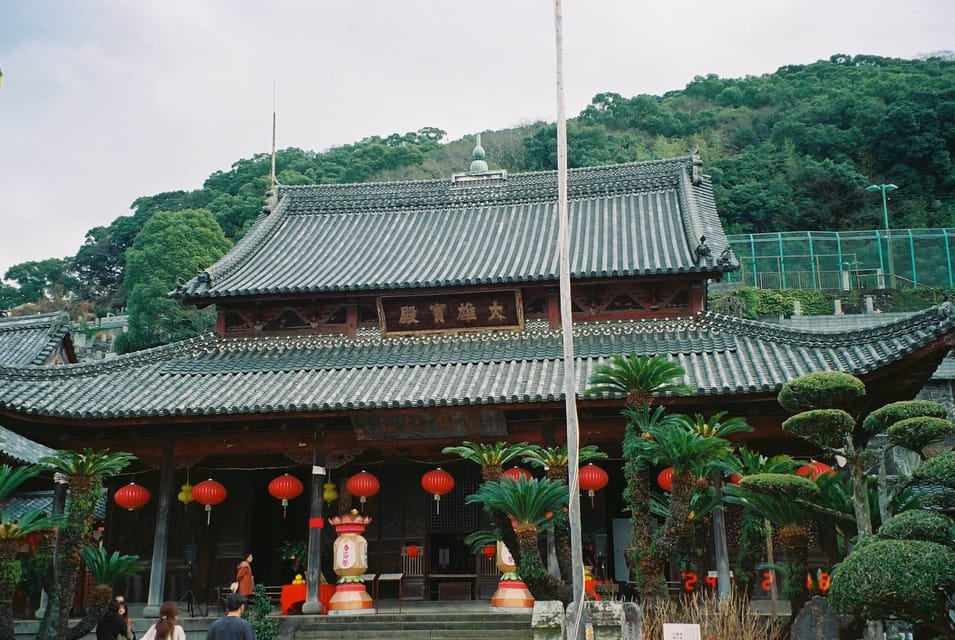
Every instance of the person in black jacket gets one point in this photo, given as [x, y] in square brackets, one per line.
[114, 625]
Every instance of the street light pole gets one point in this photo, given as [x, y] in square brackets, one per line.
[888, 232]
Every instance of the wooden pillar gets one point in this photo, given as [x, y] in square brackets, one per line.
[157, 573]
[316, 522]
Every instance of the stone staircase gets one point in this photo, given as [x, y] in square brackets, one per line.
[443, 625]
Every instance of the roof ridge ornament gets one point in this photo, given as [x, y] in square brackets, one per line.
[478, 165]
[478, 171]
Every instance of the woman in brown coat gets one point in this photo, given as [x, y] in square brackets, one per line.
[243, 575]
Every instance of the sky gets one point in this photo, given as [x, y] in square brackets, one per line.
[104, 101]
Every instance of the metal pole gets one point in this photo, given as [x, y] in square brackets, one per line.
[888, 236]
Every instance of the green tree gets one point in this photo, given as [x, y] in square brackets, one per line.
[85, 473]
[105, 570]
[639, 378]
[171, 245]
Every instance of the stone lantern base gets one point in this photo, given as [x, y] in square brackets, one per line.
[512, 594]
[350, 598]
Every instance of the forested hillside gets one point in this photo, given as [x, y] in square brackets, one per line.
[791, 150]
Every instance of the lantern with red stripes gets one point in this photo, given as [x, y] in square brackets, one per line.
[364, 485]
[516, 473]
[209, 493]
[592, 479]
[437, 482]
[286, 487]
[665, 479]
[132, 496]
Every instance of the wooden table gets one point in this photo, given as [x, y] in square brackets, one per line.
[449, 579]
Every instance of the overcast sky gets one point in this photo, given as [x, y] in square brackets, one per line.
[106, 101]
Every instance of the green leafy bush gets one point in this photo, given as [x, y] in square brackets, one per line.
[916, 433]
[780, 484]
[822, 390]
[827, 427]
[885, 416]
[938, 469]
[918, 525]
[906, 579]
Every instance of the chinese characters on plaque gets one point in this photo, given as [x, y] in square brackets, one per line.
[476, 311]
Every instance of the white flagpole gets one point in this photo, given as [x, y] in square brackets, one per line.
[567, 329]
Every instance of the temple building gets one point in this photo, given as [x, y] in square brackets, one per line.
[368, 326]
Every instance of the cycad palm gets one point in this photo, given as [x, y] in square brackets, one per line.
[491, 457]
[85, 472]
[531, 504]
[554, 459]
[12, 533]
[105, 569]
[639, 377]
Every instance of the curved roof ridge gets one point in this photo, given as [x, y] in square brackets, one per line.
[126, 361]
[936, 319]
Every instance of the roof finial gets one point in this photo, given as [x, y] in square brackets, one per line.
[478, 165]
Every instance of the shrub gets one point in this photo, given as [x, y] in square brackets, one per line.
[780, 485]
[822, 390]
[918, 525]
[939, 469]
[905, 579]
[917, 433]
[732, 618]
[885, 416]
[827, 427]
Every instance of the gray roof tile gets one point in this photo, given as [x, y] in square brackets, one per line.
[630, 219]
[32, 339]
[214, 376]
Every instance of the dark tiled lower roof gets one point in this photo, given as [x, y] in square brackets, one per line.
[625, 220]
[212, 376]
[15, 447]
[32, 339]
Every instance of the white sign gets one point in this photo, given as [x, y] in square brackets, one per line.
[681, 631]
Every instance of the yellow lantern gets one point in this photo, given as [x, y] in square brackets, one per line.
[185, 496]
[329, 492]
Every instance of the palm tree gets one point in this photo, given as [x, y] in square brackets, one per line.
[677, 444]
[530, 505]
[491, 457]
[85, 472]
[12, 534]
[752, 524]
[639, 377]
[105, 570]
[782, 499]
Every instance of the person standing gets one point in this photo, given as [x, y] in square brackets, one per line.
[232, 626]
[166, 628]
[243, 576]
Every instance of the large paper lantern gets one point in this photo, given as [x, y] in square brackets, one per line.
[364, 485]
[209, 493]
[814, 469]
[665, 479]
[132, 496]
[412, 551]
[592, 479]
[286, 487]
[489, 550]
[516, 473]
[437, 482]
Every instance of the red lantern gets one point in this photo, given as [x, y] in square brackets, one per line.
[209, 492]
[437, 482]
[516, 473]
[286, 487]
[814, 469]
[412, 551]
[132, 496]
[489, 551]
[735, 478]
[665, 479]
[592, 479]
[364, 485]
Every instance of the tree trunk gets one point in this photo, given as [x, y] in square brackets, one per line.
[10, 572]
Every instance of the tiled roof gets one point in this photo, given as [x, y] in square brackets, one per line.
[630, 219]
[22, 450]
[21, 502]
[32, 339]
[214, 376]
